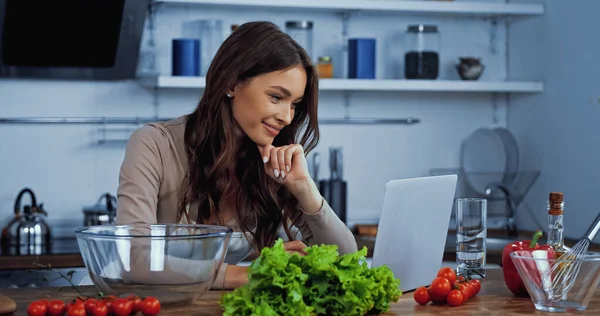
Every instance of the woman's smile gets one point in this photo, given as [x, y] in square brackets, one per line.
[274, 131]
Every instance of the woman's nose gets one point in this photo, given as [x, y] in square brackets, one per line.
[285, 115]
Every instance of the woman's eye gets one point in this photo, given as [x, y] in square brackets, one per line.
[276, 97]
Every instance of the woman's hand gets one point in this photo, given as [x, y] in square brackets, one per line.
[295, 246]
[288, 166]
[285, 164]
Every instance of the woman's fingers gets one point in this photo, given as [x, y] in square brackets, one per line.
[290, 151]
[279, 160]
[302, 254]
[295, 245]
[265, 151]
[274, 161]
[281, 153]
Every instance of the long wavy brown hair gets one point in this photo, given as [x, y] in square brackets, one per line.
[212, 140]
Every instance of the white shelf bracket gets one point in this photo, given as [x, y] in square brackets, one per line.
[344, 32]
[493, 36]
[347, 96]
[495, 108]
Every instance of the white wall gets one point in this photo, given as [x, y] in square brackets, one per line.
[67, 169]
[557, 129]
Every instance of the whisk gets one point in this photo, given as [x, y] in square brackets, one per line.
[561, 277]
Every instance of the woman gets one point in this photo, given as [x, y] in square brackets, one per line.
[236, 160]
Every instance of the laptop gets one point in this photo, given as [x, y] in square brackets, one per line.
[413, 227]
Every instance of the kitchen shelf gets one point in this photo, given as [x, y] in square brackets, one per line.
[145, 120]
[407, 6]
[380, 85]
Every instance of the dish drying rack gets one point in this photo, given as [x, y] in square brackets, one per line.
[505, 200]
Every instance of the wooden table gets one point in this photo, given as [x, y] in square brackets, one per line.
[494, 299]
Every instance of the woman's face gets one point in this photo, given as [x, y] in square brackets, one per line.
[265, 104]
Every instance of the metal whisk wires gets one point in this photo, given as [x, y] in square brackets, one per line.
[561, 277]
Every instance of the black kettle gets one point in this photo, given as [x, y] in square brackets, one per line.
[27, 233]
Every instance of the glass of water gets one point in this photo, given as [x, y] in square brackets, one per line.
[471, 233]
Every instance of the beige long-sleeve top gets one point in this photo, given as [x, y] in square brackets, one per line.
[151, 176]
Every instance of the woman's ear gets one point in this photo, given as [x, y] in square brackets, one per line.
[230, 92]
[235, 89]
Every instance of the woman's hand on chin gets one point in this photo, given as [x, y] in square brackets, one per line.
[288, 166]
[285, 164]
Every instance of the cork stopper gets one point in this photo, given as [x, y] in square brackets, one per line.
[556, 203]
[556, 197]
[234, 27]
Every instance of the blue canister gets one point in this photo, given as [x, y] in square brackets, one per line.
[361, 58]
[185, 57]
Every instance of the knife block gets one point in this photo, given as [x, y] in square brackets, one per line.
[335, 193]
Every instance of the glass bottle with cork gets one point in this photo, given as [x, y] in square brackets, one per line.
[556, 207]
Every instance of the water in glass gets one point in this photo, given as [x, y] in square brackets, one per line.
[471, 233]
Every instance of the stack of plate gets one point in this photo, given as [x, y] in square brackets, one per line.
[490, 156]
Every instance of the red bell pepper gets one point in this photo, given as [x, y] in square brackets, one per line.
[525, 247]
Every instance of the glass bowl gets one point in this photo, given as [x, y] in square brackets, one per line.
[240, 247]
[541, 280]
[175, 263]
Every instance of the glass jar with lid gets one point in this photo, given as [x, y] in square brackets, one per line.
[302, 33]
[421, 60]
[325, 67]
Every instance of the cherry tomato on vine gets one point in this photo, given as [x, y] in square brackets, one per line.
[421, 296]
[150, 306]
[455, 298]
[439, 287]
[76, 310]
[37, 308]
[448, 273]
[122, 307]
[56, 308]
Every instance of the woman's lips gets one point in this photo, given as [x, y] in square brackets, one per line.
[271, 129]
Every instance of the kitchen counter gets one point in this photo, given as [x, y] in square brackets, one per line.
[65, 254]
[495, 243]
[494, 299]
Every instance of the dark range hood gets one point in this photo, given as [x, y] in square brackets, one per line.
[71, 39]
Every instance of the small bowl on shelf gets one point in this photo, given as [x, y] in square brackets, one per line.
[470, 68]
[176, 263]
[573, 294]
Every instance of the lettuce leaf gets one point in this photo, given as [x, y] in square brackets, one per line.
[320, 283]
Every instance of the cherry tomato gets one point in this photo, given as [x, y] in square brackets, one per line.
[76, 310]
[150, 306]
[37, 308]
[89, 305]
[108, 304]
[464, 290]
[476, 286]
[472, 288]
[122, 307]
[137, 303]
[454, 298]
[448, 273]
[421, 296]
[76, 302]
[100, 309]
[439, 287]
[56, 308]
